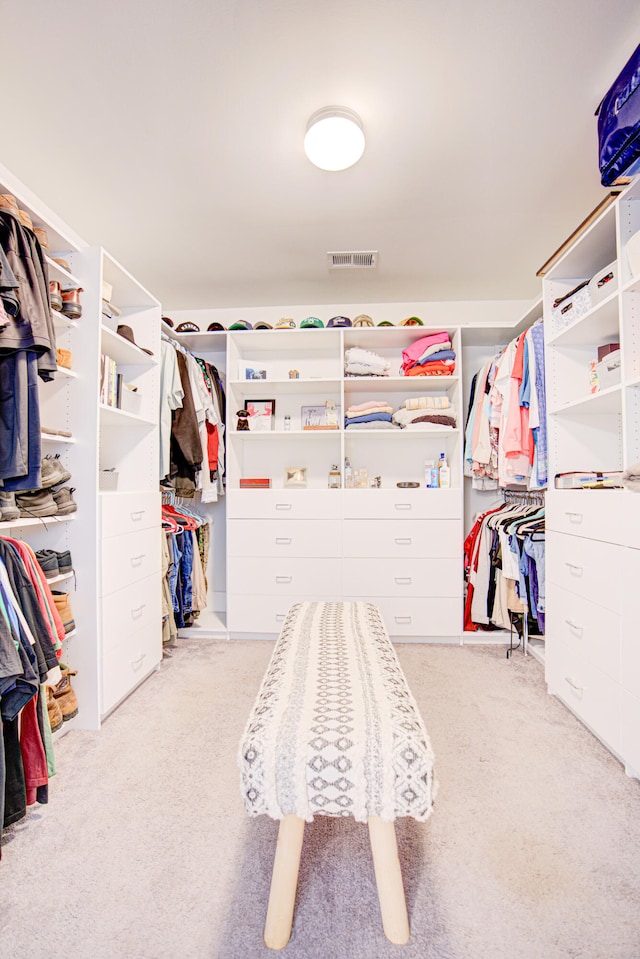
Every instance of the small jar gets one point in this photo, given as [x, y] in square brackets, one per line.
[334, 478]
[287, 424]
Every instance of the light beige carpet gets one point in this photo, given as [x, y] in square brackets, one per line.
[145, 852]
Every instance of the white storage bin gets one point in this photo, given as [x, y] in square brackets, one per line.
[130, 401]
[108, 481]
[571, 306]
[633, 253]
[608, 370]
[604, 283]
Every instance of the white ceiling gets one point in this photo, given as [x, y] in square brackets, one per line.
[171, 133]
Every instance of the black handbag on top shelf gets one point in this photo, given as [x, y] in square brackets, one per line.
[619, 124]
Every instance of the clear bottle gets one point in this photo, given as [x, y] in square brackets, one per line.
[444, 473]
[348, 474]
[334, 477]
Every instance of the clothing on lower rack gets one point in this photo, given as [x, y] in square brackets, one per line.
[184, 588]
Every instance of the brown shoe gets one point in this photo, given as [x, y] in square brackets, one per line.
[54, 711]
[55, 295]
[63, 605]
[71, 305]
[64, 694]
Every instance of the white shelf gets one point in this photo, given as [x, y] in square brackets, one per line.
[55, 438]
[112, 416]
[262, 434]
[596, 326]
[398, 384]
[605, 401]
[61, 273]
[62, 322]
[37, 521]
[122, 350]
[302, 385]
[70, 374]
[382, 434]
[60, 579]
[633, 286]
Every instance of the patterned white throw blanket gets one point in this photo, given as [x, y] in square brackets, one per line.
[335, 730]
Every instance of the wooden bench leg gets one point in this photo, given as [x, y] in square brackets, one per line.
[393, 907]
[284, 880]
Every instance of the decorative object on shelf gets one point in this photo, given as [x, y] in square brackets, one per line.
[287, 423]
[376, 482]
[243, 421]
[127, 333]
[334, 139]
[295, 476]
[285, 323]
[251, 374]
[254, 482]
[320, 417]
[361, 479]
[71, 306]
[294, 374]
[334, 477]
[262, 414]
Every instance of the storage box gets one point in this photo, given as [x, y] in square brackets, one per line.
[608, 370]
[633, 253]
[604, 283]
[572, 305]
[130, 400]
[607, 348]
[108, 481]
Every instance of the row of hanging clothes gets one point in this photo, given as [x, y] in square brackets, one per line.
[31, 634]
[192, 423]
[185, 555]
[505, 443]
[504, 573]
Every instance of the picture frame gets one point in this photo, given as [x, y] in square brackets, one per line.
[262, 415]
[325, 417]
[295, 477]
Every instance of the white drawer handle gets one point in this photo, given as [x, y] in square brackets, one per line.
[575, 570]
[403, 506]
[137, 663]
[136, 515]
[578, 516]
[575, 627]
[283, 541]
[137, 612]
[577, 689]
[405, 620]
[283, 579]
[283, 505]
[137, 560]
[406, 541]
[403, 580]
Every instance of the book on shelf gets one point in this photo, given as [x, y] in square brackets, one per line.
[254, 482]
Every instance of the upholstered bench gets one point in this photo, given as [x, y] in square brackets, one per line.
[335, 731]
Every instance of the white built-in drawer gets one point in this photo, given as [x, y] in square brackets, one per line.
[629, 632]
[285, 576]
[402, 577]
[284, 504]
[593, 514]
[584, 566]
[402, 504]
[403, 537]
[584, 629]
[284, 537]
[418, 617]
[129, 558]
[253, 613]
[630, 732]
[590, 693]
[126, 512]
[134, 609]
[129, 663]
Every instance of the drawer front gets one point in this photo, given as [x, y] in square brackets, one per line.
[586, 567]
[402, 577]
[284, 504]
[135, 609]
[402, 504]
[253, 613]
[127, 512]
[593, 514]
[592, 695]
[418, 617]
[589, 631]
[286, 537]
[283, 576]
[130, 558]
[128, 663]
[403, 538]
[630, 645]
[630, 733]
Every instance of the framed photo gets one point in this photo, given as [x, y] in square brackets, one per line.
[295, 476]
[262, 414]
[325, 417]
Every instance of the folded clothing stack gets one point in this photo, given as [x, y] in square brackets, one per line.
[431, 355]
[359, 362]
[376, 414]
[426, 413]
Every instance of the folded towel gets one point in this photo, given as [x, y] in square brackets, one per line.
[372, 425]
[367, 418]
[427, 403]
[404, 417]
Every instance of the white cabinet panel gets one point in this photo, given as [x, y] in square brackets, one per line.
[419, 578]
[419, 618]
[630, 522]
[127, 512]
[269, 537]
[630, 732]
[130, 558]
[399, 538]
[284, 504]
[285, 576]
[589, 631]
[403, 504]
[585, 567]
[593, 514]
[255, 613]
[630, 634]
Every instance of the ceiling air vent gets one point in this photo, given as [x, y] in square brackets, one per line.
[353, 260]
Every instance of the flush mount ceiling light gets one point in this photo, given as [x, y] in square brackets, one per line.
[334, 138]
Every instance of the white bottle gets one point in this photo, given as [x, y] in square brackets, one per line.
[348, 474]
[428, 466]
[444, 473]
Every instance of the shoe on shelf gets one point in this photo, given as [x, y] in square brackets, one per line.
[71, 305]
[55, 295]
[8, 509]
[48, 562]
[64, 500]
[63, 605]
[54, 710]
[64, 562]
[53, 472]
[35, 503]
[64, 694]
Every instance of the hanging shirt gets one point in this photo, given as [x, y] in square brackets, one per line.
[171, 396]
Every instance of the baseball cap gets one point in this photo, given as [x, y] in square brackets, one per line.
[215, 326]
[339, 321]
[385, 323]
[187, 327]
[362, 320]
[312, 322]
[412, 321]
[241, 325]
[262, 325]
[286, 323]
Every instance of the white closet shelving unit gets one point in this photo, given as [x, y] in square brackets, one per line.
[593, 539]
